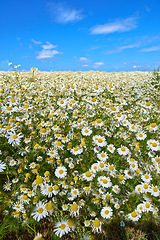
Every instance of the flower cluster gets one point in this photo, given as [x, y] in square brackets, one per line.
[80, 148]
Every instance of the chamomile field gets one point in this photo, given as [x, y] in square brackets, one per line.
[79, 155]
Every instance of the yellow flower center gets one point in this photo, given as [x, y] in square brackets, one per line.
[59, 143]
[61, 171]
[71, 222]
[147, 205]
[96, 223]
[100, 140]
[134, 214]
[105, 181]
[74, 207]
[50, 189]
[63, 226]
[88, 174]
[103, 155]
[154, 144]
[61, 102]
[155, 189]
[111, 168]
[99, 120]
[39, 180]
[153, 125]
[140, 135]
[40, 210]
[43, 130]
[14, 136]
[145, 186]
[101, 165]
[123, 149]
[25, 197]
[106, 212]
[48, 206]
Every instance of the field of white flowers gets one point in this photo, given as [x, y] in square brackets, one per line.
[80, 150]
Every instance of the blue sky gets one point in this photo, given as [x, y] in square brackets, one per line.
[80, 35]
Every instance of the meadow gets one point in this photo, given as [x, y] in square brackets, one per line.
[79, 155]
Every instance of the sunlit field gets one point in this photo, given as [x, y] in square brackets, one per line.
[79, 155]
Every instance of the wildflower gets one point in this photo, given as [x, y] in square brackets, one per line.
[99, 141]
[123, 150]
[86, 131]
[96, 225]
[2, 166]
[141, 136]
[146, 178]
[106, 212]
[74, 209]
[39, 212]
[61, 172]
[38, 237]
[88, 175]
[116, 189]
[104, 181]
[155, 191]
[7, 186]
[61, 228]
[111, 148]
[134, 216]
[14, 139]
[87, 223]
[102, 156]
[140, 208]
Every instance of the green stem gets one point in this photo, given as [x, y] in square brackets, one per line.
[31, 228]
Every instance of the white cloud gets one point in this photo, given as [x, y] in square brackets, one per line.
[46, 54]
[98, 64]
[47, 51]
[83, 59]
[36, 42]
[85, 65]
[48, 46]
[136, 66]
[63, 13]
[151, 49]
[120, 49]
[116, 26]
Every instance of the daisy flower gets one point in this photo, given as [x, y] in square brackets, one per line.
[77, 150]
[61, 228]
[123, 151]
[102, 156]
[111, 148]
[39, 212]
[62, 103]
[61, 172]
[146, 178]
[87, 223]
[96, 225]
[134, 216]
[99, 140]
[104, 181]
[139, 189]
[2, 166]
[141, 136]
[106, 212]
[86, 131]
[38, 237]
[88, 175]
[155, 191]
[140, 208]
[14, 139]
[7, 186]
[74, 209]
[94, 167]
[148, 206]
[116, 189]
